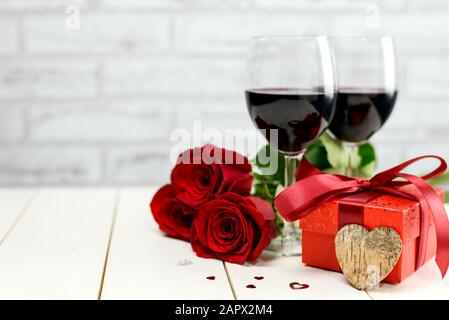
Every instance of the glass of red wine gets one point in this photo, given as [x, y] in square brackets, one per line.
[290, 95]
[367, 89]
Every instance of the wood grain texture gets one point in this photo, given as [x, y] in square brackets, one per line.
[145, 264]
[12, 204]
[366, 258]
[58, 249]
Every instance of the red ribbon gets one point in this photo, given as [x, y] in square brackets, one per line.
[351, 208]
[315, 187]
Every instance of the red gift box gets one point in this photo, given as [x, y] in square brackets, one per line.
[326, 202]
[321, 225]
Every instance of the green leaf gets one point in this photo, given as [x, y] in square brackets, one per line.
[260, 178]
[265, 191]
[316, 154]
[340, 170]
[330, 155]
[278, 223]
[446, 197]
[335, 151]
[367, 164]
[271, 163]
[368, 170]
[355, 158]
[363, 158]
[367, 154]
[279, 189]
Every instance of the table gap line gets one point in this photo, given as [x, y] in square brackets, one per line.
[20, 216]
[370, 296]
[228, 275]
[111, 233]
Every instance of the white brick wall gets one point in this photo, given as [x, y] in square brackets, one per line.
[57, 164]
[96, 105]
[100, 33]
[9, 36]
[172, 76]
[116, 121]
[53, 78]
[38, 5]
[12, 126]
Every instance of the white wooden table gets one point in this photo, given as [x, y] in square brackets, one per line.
[90, 243]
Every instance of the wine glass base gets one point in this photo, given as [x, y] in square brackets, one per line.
[287, 245]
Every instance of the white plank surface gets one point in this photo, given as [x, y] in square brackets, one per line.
[12, 204]
[279, 272]
[58, 248]
[424, 284]
[144, 264]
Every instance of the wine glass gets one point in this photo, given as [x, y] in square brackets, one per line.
[290, 94]
[367, 89]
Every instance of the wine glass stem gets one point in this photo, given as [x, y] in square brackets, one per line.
[350, 148]
[290, 170]
[291, 234]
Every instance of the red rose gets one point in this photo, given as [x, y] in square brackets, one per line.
[233, 228]
[173, 217]
[203, 173]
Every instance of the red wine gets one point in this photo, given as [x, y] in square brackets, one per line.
[360, 113]
[299, 116]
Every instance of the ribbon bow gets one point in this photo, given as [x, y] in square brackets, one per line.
[315, 187]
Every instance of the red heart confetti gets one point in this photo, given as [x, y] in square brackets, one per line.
[210, 278]
[251, 286]
[298, 286]
[258, 277]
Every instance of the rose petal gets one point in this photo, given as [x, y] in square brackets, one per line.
[231, 243]
[241, 185]
[172, 217]
[201, 250]
[189, 185]
[203, 173]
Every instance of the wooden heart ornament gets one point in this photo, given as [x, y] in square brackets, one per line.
[366, 258]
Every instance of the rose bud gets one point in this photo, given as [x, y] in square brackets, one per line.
[203, 173]
[233, 228]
